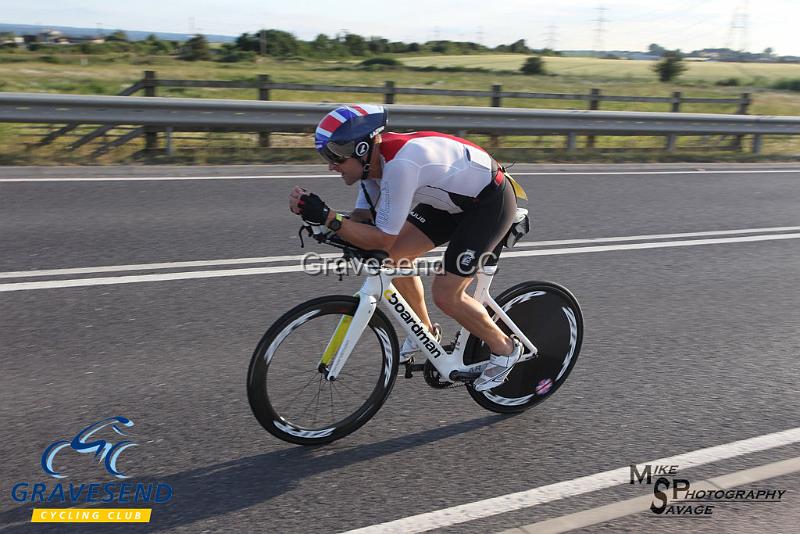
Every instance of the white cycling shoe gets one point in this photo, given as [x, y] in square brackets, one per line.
[410, 346]
[498, 369]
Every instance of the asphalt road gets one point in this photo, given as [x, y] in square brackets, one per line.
[685, 347]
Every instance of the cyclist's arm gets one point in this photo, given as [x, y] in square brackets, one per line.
[400, 179]
[361, 215]
[362, 235]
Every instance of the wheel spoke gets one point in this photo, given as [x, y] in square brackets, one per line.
[301, 391]
[344, 384]
[317, 396]
[331, 392]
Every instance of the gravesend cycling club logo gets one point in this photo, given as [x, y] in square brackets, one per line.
[103, 441]
[103, 450]
[675, 496]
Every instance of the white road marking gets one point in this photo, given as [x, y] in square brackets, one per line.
[164, 178]
[623, 173]
[298, 257]
[188, 275]
[306, 176]
[610, 512]
[643, 246]
[157, 266]
[655, 236]
[578, 486]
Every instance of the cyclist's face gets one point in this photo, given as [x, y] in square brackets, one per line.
[350, 169]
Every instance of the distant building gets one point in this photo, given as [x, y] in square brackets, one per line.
[91, 39]
[12, 41]
[46, 36]
[51, 36]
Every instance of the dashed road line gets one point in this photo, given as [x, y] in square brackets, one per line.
[188, 275]
[298, 257]
[314, 176]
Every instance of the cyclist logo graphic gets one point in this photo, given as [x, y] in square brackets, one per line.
[103, 450]
[466, 258]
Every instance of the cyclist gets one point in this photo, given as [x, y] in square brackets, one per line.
[420, 190]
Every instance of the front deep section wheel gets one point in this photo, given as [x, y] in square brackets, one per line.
[549, 315]
[286, 384]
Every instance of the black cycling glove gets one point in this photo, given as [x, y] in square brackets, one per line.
[313, 209]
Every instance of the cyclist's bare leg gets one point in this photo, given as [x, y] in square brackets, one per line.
[410, 244]
[450, 296]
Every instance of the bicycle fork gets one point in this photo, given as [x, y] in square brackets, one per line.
[348, 332]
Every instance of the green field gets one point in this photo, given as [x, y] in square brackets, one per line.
[754, 74]
[68, 73]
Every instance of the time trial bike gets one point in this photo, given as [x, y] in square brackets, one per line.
[326, 366]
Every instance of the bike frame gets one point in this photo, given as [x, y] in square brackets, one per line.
[378, 288]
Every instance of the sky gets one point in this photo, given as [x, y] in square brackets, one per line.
[568, 25]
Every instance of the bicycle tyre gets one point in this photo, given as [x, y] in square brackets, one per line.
[265, 357]
[550, 316]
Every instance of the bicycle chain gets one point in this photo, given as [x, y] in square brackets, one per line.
[436, 381]
[428, 372]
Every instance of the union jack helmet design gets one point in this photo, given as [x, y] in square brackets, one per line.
[347, 131]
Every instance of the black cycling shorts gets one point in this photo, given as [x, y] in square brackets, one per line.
[475, 234]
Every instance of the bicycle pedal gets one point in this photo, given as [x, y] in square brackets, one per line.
[409, 364]
[411, 367]
[458, 376]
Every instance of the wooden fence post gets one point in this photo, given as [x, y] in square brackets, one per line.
[388, 92]
[263, 94]
[744, 103]
[676, 102]
[594, 105]
[675, 108]
[150, 132]
[497, 101]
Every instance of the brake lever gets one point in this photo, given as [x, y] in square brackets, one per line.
[300, 234]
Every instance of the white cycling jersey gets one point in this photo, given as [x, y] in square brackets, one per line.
[424, 168]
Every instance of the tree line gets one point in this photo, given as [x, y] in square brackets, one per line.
[282, 44]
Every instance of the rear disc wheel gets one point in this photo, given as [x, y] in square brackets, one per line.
[550, 316]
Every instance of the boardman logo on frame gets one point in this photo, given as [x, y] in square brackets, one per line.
[136, 496]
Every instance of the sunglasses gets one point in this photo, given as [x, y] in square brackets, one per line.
[332, 157]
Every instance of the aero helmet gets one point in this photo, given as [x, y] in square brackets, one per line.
[348, 131]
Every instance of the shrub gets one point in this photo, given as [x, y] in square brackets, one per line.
[380, 60]
[235, 56]
[728, 82]
[290, 59]
[195, 49]
[54, 60]
[12, 59]
[787, 85]
[430, 68]
[533, 65]
[670, 67]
